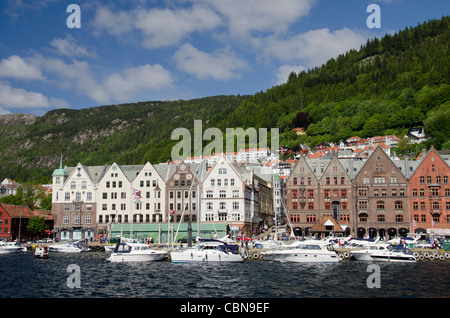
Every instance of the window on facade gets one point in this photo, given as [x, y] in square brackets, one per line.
[311, 218]
[436, 218]
[88, 219]
[380, 205]
[209, 193]
[398, 205]
[363, 217]
[222, 194]
[362, 205]
[66, 219]
[399, 218]
[294, 206]
[213, 182]
[209, 206]
[310, 205]
[222, 205]
[381, 218]
[310, 194]
[362, 192]
[436, 206]
[327, 205]
[235, 205]
[327, 193]
[294, 181]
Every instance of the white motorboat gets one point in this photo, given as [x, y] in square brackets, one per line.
[41, 252]
[363, 254]
[10, 248]
[136, 252]
[310, 251]
[269, 244]
[208, 251]
[69, 247]
[394, 253]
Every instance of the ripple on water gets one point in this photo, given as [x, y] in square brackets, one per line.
[25, 276]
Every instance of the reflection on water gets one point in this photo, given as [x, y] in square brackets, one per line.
[24, 276]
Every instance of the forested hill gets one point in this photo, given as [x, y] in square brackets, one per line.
[127, 134]
[385, 87]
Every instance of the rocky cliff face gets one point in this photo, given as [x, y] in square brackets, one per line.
[17, 119]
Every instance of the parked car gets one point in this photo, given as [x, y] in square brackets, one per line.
[185, 239]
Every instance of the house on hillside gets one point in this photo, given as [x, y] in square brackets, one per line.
[8, 187]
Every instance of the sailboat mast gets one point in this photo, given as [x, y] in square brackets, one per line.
[199, 195]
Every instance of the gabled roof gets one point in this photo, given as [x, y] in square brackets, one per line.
[323, 221]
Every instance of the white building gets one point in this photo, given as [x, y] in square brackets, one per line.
[74, 201]
[229, 195]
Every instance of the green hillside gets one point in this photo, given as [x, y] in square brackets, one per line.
[387, 86]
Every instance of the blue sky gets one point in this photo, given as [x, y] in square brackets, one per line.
[146, 50]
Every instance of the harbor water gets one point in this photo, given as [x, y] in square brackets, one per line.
[23, 276]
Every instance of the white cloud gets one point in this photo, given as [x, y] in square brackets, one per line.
[69, 47]
[313, 47]
[12, 98]
[245, 17]
[220, 65]
[16, 67]
[114, 23]
[117, 86]
[165, 27]
[157, 27]
[76, 76]
[137, 79]
[285, 70]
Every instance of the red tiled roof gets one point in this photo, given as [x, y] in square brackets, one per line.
[17, 211]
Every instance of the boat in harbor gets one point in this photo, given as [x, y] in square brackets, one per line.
[208, 251]
[364, 253]
[41, 252]
[310, 251]
[10, 247]
[68, 247]
[136, 252]
[393, 253]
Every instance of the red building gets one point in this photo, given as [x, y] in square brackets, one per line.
[14, 221]
[429, 192]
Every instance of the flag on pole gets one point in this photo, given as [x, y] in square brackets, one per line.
[136, 194]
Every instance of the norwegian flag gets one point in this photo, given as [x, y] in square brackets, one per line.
[136, 194]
